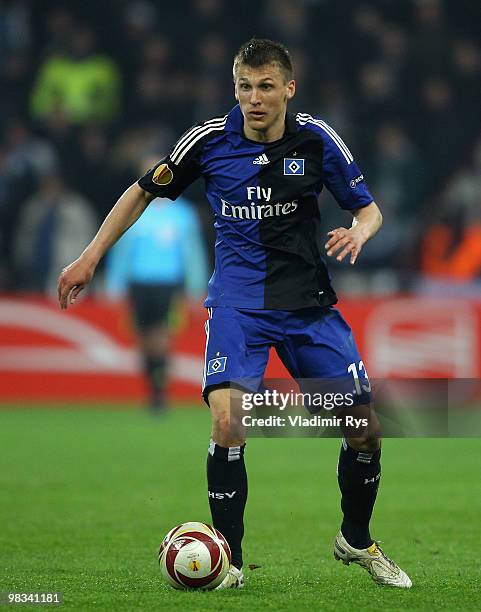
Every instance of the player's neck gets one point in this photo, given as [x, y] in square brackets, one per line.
[272, 133]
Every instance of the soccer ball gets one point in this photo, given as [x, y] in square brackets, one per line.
[194, 556]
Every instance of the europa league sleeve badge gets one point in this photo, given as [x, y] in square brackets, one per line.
[162, 175]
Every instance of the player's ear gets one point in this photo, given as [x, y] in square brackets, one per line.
[291, 89]
[236, 93]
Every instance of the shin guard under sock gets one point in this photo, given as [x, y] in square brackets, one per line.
[358, 475]
[227, 484]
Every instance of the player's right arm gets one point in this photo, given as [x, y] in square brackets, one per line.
[79, 273]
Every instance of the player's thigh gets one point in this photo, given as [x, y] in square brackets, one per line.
[234, 353]
[234, 358]
[320, 344]
[321, 353]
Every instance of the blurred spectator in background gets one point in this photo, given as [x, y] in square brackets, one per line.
[377, 90]
[134, 144]
[15, 49]
[211, 93]
[158, 260]
[27, 157]
[467, 79]
[430, 41]
[92, 157]
[78, 82]
[367, 23]
[210, 16]
[60, 22]
[148, 93]
[24, 160]
[90, 161]
[52, 229]
[138, 25]
[451, 253]
[395, 163]
[287, 21]
[441, 130]
[451, 247]
[334, 106]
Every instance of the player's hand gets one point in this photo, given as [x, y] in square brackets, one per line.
[344, 242]
[72, 280]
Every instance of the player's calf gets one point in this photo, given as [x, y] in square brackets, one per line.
[358, 474]
[226, 475]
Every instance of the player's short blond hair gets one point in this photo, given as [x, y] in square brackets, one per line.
[262, 51]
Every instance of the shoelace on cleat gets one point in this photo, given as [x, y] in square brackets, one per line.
[390, 561]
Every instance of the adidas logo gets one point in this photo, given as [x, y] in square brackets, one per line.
[262, 159]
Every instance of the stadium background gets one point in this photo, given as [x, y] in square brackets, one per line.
[90, 482]
[92, 94]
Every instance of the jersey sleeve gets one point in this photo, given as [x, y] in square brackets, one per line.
[175, 172]
[341, 174]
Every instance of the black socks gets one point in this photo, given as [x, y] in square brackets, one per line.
[155, 369]
[358, 475]
[227, 483]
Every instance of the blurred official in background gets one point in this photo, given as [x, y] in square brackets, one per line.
[159, 260]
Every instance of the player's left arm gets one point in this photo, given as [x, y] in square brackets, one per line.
[365, 224]
[344, 179]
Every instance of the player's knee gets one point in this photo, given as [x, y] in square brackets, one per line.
[366, 444]
[368, 439]
[220, 427]
[225, 431]
[226, 428]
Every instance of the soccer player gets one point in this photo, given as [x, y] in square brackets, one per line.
[264, 169]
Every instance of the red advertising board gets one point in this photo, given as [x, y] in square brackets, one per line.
[89, 352]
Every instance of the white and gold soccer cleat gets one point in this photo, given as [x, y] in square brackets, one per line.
[233, 580]
[382, 569]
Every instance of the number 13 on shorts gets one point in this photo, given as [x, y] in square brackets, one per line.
[361, 385]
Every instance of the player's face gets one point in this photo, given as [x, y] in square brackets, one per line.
[263, 94]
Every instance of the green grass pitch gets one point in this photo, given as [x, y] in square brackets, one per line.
[86, 497]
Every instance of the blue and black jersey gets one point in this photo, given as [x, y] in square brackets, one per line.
[268, 251]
